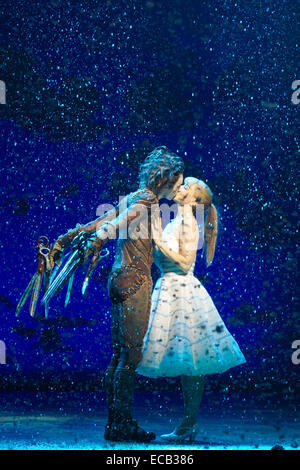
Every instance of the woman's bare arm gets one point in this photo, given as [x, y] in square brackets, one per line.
[188, 240]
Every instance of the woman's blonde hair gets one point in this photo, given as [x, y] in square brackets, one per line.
[203, 195]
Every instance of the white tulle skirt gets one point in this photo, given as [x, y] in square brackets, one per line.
[186, 335]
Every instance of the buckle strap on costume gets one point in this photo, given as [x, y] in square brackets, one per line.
[141, 278]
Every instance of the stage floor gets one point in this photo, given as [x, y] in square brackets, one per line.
[76, 420]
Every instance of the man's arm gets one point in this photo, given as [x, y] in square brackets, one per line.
[139, 211]
[66, 239]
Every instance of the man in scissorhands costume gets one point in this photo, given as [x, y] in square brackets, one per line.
[130, 282]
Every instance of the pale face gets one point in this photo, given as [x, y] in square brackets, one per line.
[169, 191]
[188, 193]
[185, 194]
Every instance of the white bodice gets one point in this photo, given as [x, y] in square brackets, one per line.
[170, 236]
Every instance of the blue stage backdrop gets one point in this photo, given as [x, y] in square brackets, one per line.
[91, 88]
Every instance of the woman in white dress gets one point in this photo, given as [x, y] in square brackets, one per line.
[186, 336]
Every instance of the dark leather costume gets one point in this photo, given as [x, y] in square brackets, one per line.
[130, 288]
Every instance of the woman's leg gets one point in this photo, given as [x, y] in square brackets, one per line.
[192, 391]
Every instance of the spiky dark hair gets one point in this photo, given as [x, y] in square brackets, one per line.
[160, 166]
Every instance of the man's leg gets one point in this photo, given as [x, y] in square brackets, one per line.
[134, 318]
[124, 385]
[110, 372]
[133, 323]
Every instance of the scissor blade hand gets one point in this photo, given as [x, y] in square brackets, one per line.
[56, 268]
[46, 286]
[95, 261]
[57, 283]
[35, 293]
[47, 281]
[87, 278]
[46, 310]
[26, 294]
[62, 277]
[53, 273]
[71, 278]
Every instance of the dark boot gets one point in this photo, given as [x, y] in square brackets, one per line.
[127, 431]
[124, 427]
